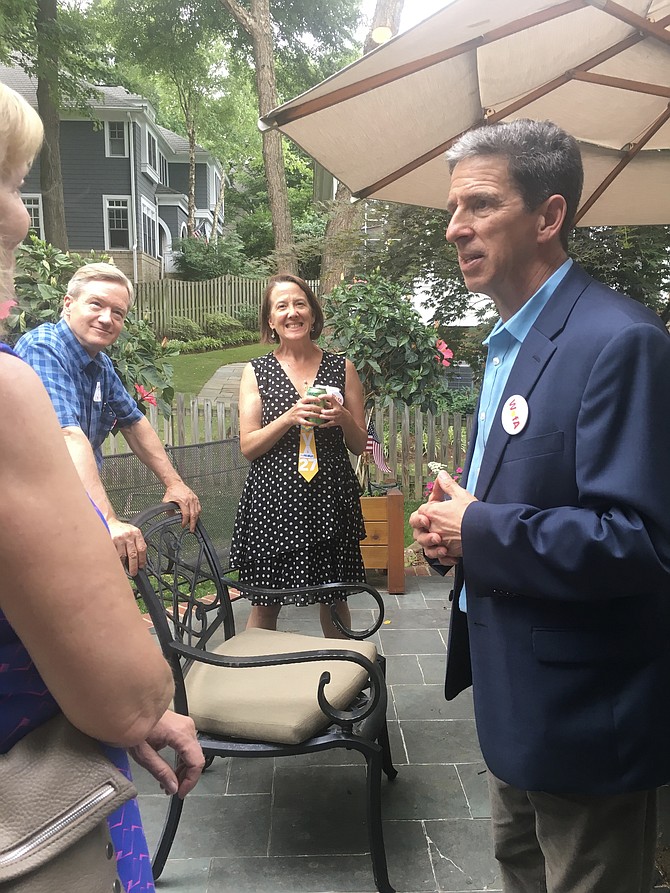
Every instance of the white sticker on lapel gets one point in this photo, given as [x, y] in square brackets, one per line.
[515, 414]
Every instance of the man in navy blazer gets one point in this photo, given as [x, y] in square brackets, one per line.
[561, 535]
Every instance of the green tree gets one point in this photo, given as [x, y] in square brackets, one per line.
[300, 30]
[198, 260]
[53, 44]
[345, 216]
[632, 259]
[176, 40]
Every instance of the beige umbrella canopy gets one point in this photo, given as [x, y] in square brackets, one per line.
[598, 68]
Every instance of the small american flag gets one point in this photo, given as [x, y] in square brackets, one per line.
[374, 447]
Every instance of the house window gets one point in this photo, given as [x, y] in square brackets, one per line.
[115, 139]
[117, 222]
[149, 229]
[164, 171]
[152, 151]
[33, 205]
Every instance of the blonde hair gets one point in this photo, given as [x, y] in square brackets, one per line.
[21, 134]
[99, 273]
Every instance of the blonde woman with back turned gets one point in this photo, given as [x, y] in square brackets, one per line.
[71, 637]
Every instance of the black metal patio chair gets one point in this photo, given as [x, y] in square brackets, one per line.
[216, 471]
[261, 692]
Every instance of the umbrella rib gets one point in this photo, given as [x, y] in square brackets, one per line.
[630, 154]
[412, 165]
[580, 72]
[650, 29]
[342, 94]
[492, 117]
[622, 83]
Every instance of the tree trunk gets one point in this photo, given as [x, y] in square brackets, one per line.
[258, 26]
[190, 223]
[346, 215]
[51, 178]
[217, 210]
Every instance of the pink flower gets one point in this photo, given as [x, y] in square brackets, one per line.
[429, 488]
[6, 308]
[147, 396]
[445, 354]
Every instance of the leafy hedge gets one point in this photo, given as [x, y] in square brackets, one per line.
[180, 328]
[219, 325]
[247, 316]
[201, 345]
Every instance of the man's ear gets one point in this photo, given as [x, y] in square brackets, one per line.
[67, 302]
[550, 218]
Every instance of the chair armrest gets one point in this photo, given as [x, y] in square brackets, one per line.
[246, 589]
[375, 674]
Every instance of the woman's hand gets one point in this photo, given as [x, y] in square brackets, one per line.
[307, 411]
[334, 414]
[178, 732]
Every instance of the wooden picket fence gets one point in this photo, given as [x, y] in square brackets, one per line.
[166, 298]
[444, 437]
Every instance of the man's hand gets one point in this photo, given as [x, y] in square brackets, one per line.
[187, 501]
[178, 732]
[437, 524]
[129, 544]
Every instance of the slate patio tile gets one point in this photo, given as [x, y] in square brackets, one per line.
[441, 741]
[425, 792]
[462, 855]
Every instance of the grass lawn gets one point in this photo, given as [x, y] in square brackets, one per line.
[192, 370]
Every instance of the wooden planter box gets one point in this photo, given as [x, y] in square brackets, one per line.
[384, 546]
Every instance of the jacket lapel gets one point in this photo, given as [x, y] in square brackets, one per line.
[535, 353]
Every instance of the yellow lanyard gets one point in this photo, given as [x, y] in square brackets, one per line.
[308, 464]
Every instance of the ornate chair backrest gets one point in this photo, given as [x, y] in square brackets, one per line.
[182, 587]
[216, 471]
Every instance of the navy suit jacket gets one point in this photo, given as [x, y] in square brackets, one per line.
[567, 556]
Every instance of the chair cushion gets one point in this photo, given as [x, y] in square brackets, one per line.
[277, 704]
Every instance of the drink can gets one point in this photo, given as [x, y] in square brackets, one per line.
[317, 391]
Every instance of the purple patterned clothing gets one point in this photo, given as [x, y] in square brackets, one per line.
[25, 704]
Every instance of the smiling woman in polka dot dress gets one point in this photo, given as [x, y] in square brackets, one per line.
[290, 531]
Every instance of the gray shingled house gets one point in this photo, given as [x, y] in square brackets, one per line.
[125, 181]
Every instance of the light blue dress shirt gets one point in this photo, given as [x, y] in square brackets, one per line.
[504, 344]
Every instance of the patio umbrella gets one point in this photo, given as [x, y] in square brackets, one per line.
[598, 68]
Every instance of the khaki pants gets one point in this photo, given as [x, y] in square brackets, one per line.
[549, 843]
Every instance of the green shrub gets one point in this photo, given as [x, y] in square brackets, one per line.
[42, 275]
[239, 336]
[216, 325]
[459, 401]
[197, 259]
[201, 345]
[197, 345]
[247, 316]
[395, 353]
[180, 328]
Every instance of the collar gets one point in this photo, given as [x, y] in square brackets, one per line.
[519, 325]
[77, 351]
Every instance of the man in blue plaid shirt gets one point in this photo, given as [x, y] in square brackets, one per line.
[90, 399]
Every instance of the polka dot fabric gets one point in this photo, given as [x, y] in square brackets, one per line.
[290, 532]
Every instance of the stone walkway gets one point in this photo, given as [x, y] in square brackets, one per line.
[224, 385]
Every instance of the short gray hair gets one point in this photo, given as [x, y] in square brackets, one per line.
[543, 160]
[100, 273]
